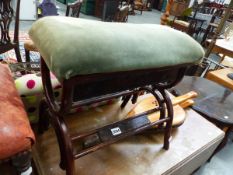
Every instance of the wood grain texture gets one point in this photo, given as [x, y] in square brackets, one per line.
[220, 77]
[221, 46]
[165, 16]
[149, 103]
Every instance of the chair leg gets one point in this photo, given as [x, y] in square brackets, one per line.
[205, 35]
[27, 55]
[43, 123]
[17, 53]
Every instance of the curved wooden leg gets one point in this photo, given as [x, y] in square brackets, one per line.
[58, 122]
[168, 127]
[162, 111]
[65, 145]
[70, 168]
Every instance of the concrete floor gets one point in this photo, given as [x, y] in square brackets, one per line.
[221, 163]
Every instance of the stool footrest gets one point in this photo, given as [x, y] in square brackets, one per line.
[112, 133]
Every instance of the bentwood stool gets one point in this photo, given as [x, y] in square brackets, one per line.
[97, 61]
[16, 136]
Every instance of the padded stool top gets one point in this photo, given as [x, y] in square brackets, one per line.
[73, 46]
[15, 131]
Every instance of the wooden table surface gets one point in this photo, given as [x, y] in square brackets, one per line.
[214, 101]
[191, 145]
[224, 47]
[220, 77]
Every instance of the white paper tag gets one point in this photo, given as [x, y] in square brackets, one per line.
[27, 172]
[116, 131]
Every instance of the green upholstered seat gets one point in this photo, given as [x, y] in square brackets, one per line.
[74, 46]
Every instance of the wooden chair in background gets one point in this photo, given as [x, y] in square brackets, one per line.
[6, 16]
[135, 5]
[209, 32]
[138, 5]
[188, 27]
[122, 14]
[72, 9]
[75, 8]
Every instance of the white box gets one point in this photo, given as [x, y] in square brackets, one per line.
[28, 9]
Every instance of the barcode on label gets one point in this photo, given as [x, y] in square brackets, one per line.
[116, 131]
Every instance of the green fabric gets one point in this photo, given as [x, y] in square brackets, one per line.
[73, 46]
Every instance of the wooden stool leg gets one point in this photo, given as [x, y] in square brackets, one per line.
[168, 127]
[17, 53]
[70, 168]
[65, 144]
[43, 123]
[125, 101]
[67, 159]
[27, 55]
[22, 163]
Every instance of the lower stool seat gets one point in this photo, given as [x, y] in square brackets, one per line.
[15, 131]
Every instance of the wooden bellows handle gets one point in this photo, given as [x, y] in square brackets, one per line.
[186, 103]
[149, 103]
[181, 99]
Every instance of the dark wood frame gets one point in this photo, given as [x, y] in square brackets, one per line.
[212, 25]
[7, 14]
[117, 84]
[75, 8]
[21, 162]
[191, 29]
[122, 15]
